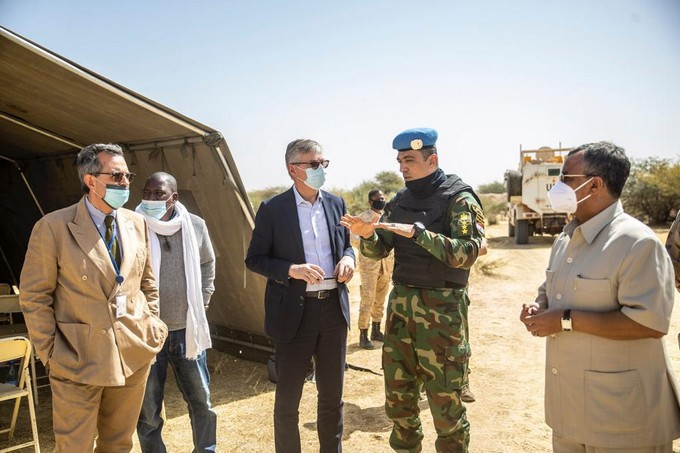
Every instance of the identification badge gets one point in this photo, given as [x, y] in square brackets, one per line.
[121, 302]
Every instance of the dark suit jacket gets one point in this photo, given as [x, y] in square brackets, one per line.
[276, 244]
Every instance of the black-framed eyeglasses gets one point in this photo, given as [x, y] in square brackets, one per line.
[563, 176]
[117, 175]
[314, 163]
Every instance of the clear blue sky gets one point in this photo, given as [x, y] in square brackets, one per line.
[488, 75]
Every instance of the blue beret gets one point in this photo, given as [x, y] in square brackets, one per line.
[413, 139]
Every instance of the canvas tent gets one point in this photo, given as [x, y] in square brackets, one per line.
[51, 107]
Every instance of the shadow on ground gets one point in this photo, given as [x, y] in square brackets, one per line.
[368, 420]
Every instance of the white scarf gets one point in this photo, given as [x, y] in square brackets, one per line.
[197, 330]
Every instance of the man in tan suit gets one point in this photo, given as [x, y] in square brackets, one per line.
[90, 302]
[604, 308]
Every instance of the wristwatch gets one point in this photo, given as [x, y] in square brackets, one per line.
[419, 228]
[566, 320]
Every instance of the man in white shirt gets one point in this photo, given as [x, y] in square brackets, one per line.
[299, 245]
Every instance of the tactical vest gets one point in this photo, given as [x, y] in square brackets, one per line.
[413, 265]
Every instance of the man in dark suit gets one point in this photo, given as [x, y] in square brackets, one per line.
[300, 246]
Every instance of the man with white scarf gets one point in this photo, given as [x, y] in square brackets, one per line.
[183, 261]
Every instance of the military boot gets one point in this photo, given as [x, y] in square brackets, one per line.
[364, 342]
[376, 334]
[466, 394]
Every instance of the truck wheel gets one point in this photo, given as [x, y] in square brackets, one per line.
[522, 234]
[511, 230]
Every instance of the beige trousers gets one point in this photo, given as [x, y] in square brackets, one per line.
[80, 411]
[375, 282]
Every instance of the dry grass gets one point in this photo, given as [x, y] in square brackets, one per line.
[488, 266]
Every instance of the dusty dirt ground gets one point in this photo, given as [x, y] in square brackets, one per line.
[507, 376]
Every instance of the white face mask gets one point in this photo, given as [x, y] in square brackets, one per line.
[563, 198]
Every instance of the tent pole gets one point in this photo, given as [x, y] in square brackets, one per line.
[246, 212]
[28, 186]
[164, 144]
[43, 132]
[9, 268]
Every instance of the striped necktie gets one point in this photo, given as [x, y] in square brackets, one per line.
[115, 250]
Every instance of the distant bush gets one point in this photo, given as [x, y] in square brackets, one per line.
[356, 199]
[258, 196]
[492, 187]
[652, 192]
[494, 207]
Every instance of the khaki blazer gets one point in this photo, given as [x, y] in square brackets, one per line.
[68, 297]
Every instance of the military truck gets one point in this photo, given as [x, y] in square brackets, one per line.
[529, 210]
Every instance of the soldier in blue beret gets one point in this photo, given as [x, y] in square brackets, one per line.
[436, 227]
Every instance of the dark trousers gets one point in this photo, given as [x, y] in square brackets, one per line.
[322, 335]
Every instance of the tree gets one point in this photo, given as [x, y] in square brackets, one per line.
[356, 199]
[389, 182]
[492, 187]
[494, 207]
[258, 196]
[652, 190]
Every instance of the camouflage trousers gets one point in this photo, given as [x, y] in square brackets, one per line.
[426, 345]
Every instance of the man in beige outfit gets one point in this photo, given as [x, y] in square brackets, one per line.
[90, 302]
[604, 308]
[375, 279]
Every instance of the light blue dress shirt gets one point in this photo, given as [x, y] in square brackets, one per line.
[98, 219]
[316, 239]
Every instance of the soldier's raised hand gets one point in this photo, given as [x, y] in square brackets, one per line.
[358, 226]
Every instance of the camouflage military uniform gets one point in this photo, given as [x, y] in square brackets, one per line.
[375, 281]
[426, 335]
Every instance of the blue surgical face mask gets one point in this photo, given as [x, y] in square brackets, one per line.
[154, 208]
[116, 196]
[315, 177]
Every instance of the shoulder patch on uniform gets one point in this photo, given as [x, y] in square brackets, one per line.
[464, 223]
[480, 220]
